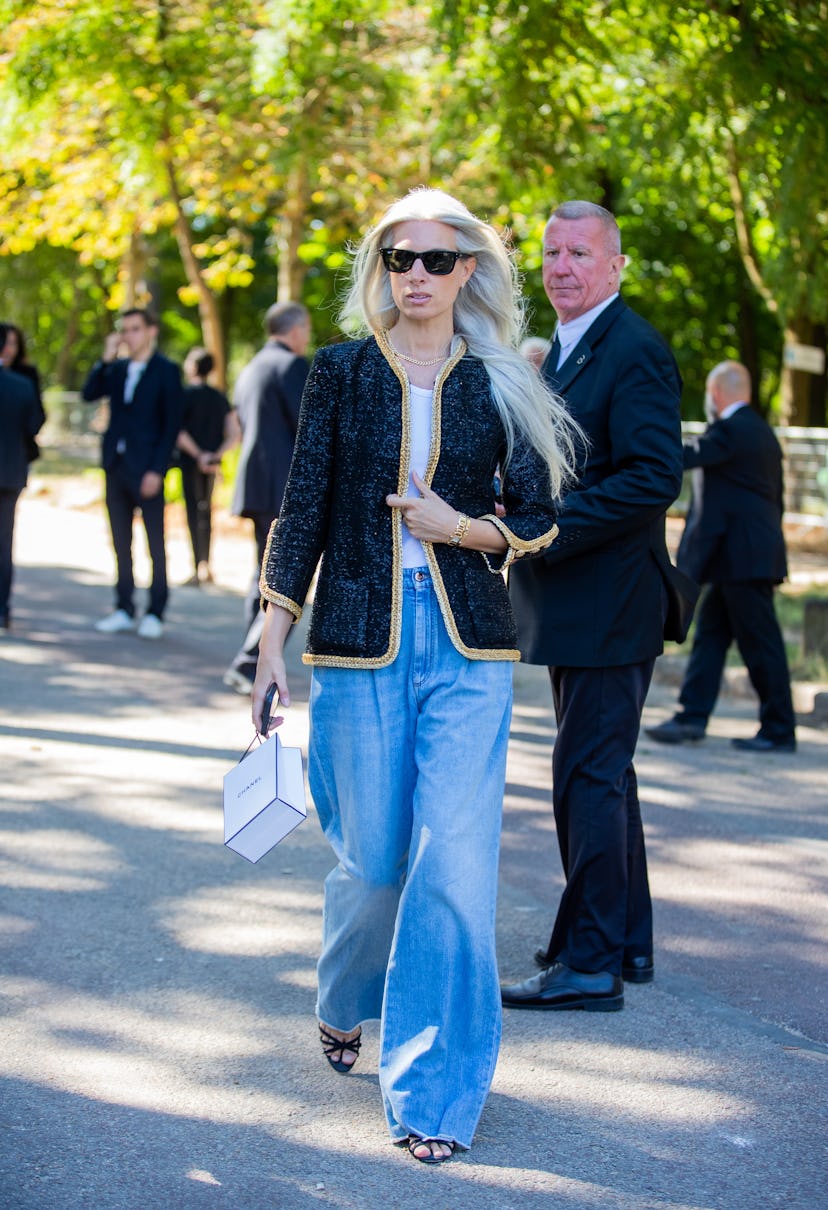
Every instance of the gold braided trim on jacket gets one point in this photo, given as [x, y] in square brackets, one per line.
[267, 594]
[382, 661]
[473, 653]
[517, 547]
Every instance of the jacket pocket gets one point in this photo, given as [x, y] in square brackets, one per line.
[339, 622]
[487, 610]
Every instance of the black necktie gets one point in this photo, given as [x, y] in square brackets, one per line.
[554, 355]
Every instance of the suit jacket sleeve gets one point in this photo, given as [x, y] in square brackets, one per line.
[711, 448]
[171, 404]
[293, 385]
[641, 449]
[97, 384]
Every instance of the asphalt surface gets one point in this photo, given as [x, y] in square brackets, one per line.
[158, 1042]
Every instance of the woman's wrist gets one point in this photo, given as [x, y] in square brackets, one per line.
[460, 530]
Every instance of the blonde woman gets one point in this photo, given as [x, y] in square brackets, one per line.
[411, 641]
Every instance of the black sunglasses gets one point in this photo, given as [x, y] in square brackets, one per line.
[437, 261]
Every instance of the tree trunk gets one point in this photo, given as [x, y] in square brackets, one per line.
[749, 341]
[212, 329]
[290, 233]
[65, 361]
[803, 395]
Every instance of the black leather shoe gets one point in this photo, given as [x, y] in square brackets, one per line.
[675, 732]
[760, 743]
[638, 970]
[560, 987]
[634, 970]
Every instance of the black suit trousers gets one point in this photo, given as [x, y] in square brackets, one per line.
[8, 505]
[198, 494]
[122, 499]
[605, 911]
[742, 611]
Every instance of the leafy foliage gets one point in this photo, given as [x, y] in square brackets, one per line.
[252, 142]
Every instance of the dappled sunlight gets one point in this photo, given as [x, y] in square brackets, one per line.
[666, 796]
[617, 1082]
[247, 920]
[14, 927]
[122, 800]
[26, 655]
[742, 874]
[55, 860]
[156, 1057]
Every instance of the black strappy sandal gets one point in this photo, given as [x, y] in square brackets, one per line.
[415, 1141]
[331, 1044]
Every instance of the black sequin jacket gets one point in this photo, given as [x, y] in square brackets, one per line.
[352, 450]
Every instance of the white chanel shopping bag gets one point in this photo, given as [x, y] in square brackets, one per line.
[264, 798]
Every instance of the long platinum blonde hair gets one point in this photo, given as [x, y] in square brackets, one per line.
[488, 314]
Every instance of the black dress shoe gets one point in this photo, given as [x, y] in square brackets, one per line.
[760, 743]
[634, 970]
[561, 987]
[676, 732]
[638, 970]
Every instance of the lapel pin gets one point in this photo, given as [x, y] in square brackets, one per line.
[581, 360]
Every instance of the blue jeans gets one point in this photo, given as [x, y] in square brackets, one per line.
[407, 769]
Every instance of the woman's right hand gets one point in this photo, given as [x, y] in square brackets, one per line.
[271, 666]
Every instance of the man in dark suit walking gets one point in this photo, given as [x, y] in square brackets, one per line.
[593, 608]
[21, 416]
[145, 403]
[267, 398]
[733, 542]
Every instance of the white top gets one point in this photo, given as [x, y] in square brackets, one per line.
[569, 334]
[422, 401]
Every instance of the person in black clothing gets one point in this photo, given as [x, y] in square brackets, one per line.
[267, 397]
[733, 542]
[208, 429]
[593, 608]
[20, 419]
[13, 357]
[144, 392]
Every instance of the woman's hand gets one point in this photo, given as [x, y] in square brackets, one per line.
[427, 516]
[271, 666]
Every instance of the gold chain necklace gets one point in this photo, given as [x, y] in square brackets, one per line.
[415, 361]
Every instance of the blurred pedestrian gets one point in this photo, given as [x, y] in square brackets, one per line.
[208, 429]
[594, 607]
[734, 544]
[267, 397]
[412, 641]
[13, 357]
[144, 392]
[20, 419]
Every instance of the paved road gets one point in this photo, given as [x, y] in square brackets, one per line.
[158, 1042]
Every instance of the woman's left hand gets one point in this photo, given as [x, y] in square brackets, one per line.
[427, 516]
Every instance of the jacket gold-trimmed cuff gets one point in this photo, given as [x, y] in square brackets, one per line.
[269, 597]
[519, 546]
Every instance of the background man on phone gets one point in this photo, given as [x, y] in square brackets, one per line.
[144, 392]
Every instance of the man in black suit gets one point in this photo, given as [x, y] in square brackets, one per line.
[21, 416]
[733, 542]
[267, 398]
[593, 608]
[145, 404]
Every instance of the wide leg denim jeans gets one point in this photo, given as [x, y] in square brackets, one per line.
[407, 770]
